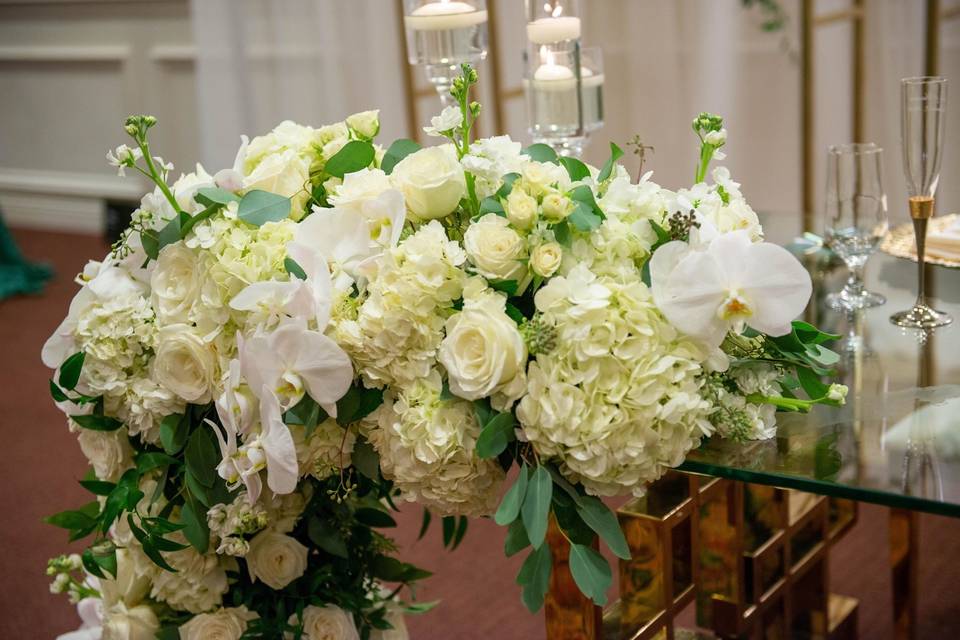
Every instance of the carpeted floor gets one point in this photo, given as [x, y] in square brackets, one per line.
[479, 598]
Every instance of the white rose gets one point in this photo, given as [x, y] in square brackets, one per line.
[432, 182]
[365, 124]
[544, 175]
[359, 187]
[109, 453]
[494, 248]
[521, 209]
[276, 559]
[546, 258]
[327, 623]
[225, 624]
[483, 351]
[556, 207]
[184, 364]
[285, 174]
[175, 283]
[134, 623]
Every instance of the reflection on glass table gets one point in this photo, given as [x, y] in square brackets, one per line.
[897, 440]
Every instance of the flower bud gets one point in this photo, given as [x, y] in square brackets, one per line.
[366, 124]
[556, 207]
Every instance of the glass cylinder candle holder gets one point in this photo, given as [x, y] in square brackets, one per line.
[552, 21]
[442, 35]
[564, 106]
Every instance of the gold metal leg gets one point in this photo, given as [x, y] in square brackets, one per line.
[904, 565]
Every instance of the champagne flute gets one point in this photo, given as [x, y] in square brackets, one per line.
[923, 121]
[856, 212]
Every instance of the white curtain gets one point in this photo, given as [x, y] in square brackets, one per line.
[312, 61]
[315, 61]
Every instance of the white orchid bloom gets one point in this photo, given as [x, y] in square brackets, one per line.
[235, 408]
[278, 446]
[730, 283]
[232, 179]
[291, 360]
[240, 465]
[304, 299]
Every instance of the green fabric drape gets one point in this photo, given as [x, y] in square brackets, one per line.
[17, 274]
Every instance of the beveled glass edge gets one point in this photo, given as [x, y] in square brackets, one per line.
[820, 487]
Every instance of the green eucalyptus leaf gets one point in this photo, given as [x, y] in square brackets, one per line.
[561, 232]
[507, 186]
[491, 205]
[188, 226]
[366, 460]
[583, 218]
[575, 168]
[534, 576]
[352, 157]
[509, 509]
[591, 573]
[258, 207]
[516, 540]
[508, 287]
[541, 153]
[536, 506]
[601, 519]
[495, 436]
[294, 269]
[209, 196]
[396, 152]
[358, 403]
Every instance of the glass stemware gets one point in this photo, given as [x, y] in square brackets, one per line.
[442, 34]
[923, 120]
[856, 217]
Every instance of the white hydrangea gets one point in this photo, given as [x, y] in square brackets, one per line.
[427, 447]
[618, 398]
[198, 584]
[394, 338]
[143, 406]
[326, 451]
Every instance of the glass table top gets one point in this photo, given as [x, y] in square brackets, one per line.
[897, 440]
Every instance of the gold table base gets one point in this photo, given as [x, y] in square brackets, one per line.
[754, 559]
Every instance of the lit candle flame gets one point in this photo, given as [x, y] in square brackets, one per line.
[546, 56]
[553, 9]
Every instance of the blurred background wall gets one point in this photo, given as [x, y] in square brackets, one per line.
[71, 70]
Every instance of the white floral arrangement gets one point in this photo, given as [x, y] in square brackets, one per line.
[273, 355]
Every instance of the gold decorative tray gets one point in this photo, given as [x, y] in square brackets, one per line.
[899, 241]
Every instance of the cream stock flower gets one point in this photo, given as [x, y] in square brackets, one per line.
[129, 623]
[495, 249]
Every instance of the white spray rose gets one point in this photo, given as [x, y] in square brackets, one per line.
[225, 624]
[365, 124]
[545, 259]
[494, 248]
[431, 181]
[276, 559]
[109, 453]
[556, 207]
[184, 364]
[521, 209]
[483, 352]
[175, 283]
[133, 623]
[327, 623]
[285, 174]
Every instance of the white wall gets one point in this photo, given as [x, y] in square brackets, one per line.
[71, 70]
